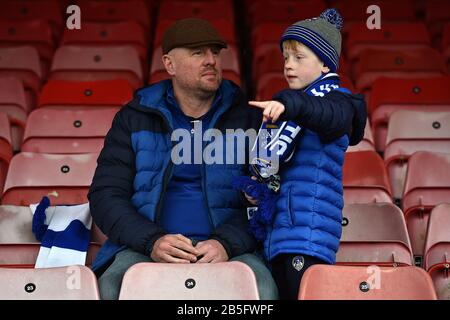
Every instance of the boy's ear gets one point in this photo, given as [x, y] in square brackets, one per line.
[324, 68]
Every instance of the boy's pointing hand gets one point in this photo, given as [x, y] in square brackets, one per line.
[272, 110]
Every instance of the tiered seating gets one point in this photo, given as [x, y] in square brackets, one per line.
[375, 63]
[365, 179]
[437, 249]
[36, 33]
[60, 94]
[23, 64]
[66, 178]
[411, 131]
[97, 63]
[205, 281]
[67, 131]
[127, 33]
[426, 94]
[28, 10]
[18, 245]
[325, 282]
[427, 185]
[374, 234]
[48, 284]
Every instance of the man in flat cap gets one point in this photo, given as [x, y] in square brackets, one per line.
[155, 209]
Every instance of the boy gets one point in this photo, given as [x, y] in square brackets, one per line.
[306, 227]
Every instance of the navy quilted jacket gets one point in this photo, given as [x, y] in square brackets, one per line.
[134, 168]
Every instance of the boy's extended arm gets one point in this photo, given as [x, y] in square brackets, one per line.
[331, 116]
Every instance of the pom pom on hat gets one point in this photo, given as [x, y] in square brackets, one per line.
[333, 17]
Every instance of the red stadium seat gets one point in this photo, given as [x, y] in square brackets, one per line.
[65, 178]
[267, 33]
[209, 10]
[374, 234]
[328, 282]
[230, 66]
[18, 245]
[97, 63]
[202, 281]
[427, 185]
[437, 249]
[6, 151]
[420, 63]
[127, 33]
[36, 33]
[365, 179]
[446, 45]
[22, 63]
[27, 10]
[117, 11]
[13, 104]
[367, 143]
[67, 131]
[48, 284]
[426, 94]
[60, 94]
[437, 13]
[284, 11]
[391, 36]
[411, 131]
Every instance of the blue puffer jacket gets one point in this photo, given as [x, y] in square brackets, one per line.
[134, 169]
[309, 209]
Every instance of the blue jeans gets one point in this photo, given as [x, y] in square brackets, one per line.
[111, 280]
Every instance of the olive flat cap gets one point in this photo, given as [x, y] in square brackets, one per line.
[189, 33]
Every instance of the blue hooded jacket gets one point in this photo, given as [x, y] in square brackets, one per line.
[134, 168]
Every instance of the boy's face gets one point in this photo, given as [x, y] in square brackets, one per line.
[301, 65]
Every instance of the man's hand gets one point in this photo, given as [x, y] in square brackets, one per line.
[272, 110]
[212, 251]
[174, 248]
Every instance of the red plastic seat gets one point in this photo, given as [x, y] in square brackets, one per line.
[36, 33]
[365, 179]
[65, 178]
[22, 63]
[374, 234]
[367, 143]
[427, 184]
[420, 94]
[328, 282]
[27, 10]
[6, 151]
[437, 14]
[67, 131]
[209, 10]
[117, 11]
[411, 131]
[230, 66]
[267, 33]
[446, 45]
[284, 11]
[392, 36]
[97, 63]
[18, 245]
[13, 104]
[437, 249]
[419, 63]
[127, 33]
[60, 94]
[48, 284]
[202, 281]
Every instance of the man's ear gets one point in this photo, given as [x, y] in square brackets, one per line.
[167, 61]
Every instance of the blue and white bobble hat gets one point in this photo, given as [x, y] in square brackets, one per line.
[322, 35]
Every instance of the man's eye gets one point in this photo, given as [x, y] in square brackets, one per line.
[196, 52]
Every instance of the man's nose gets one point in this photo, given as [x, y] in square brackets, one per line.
[210, 58]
